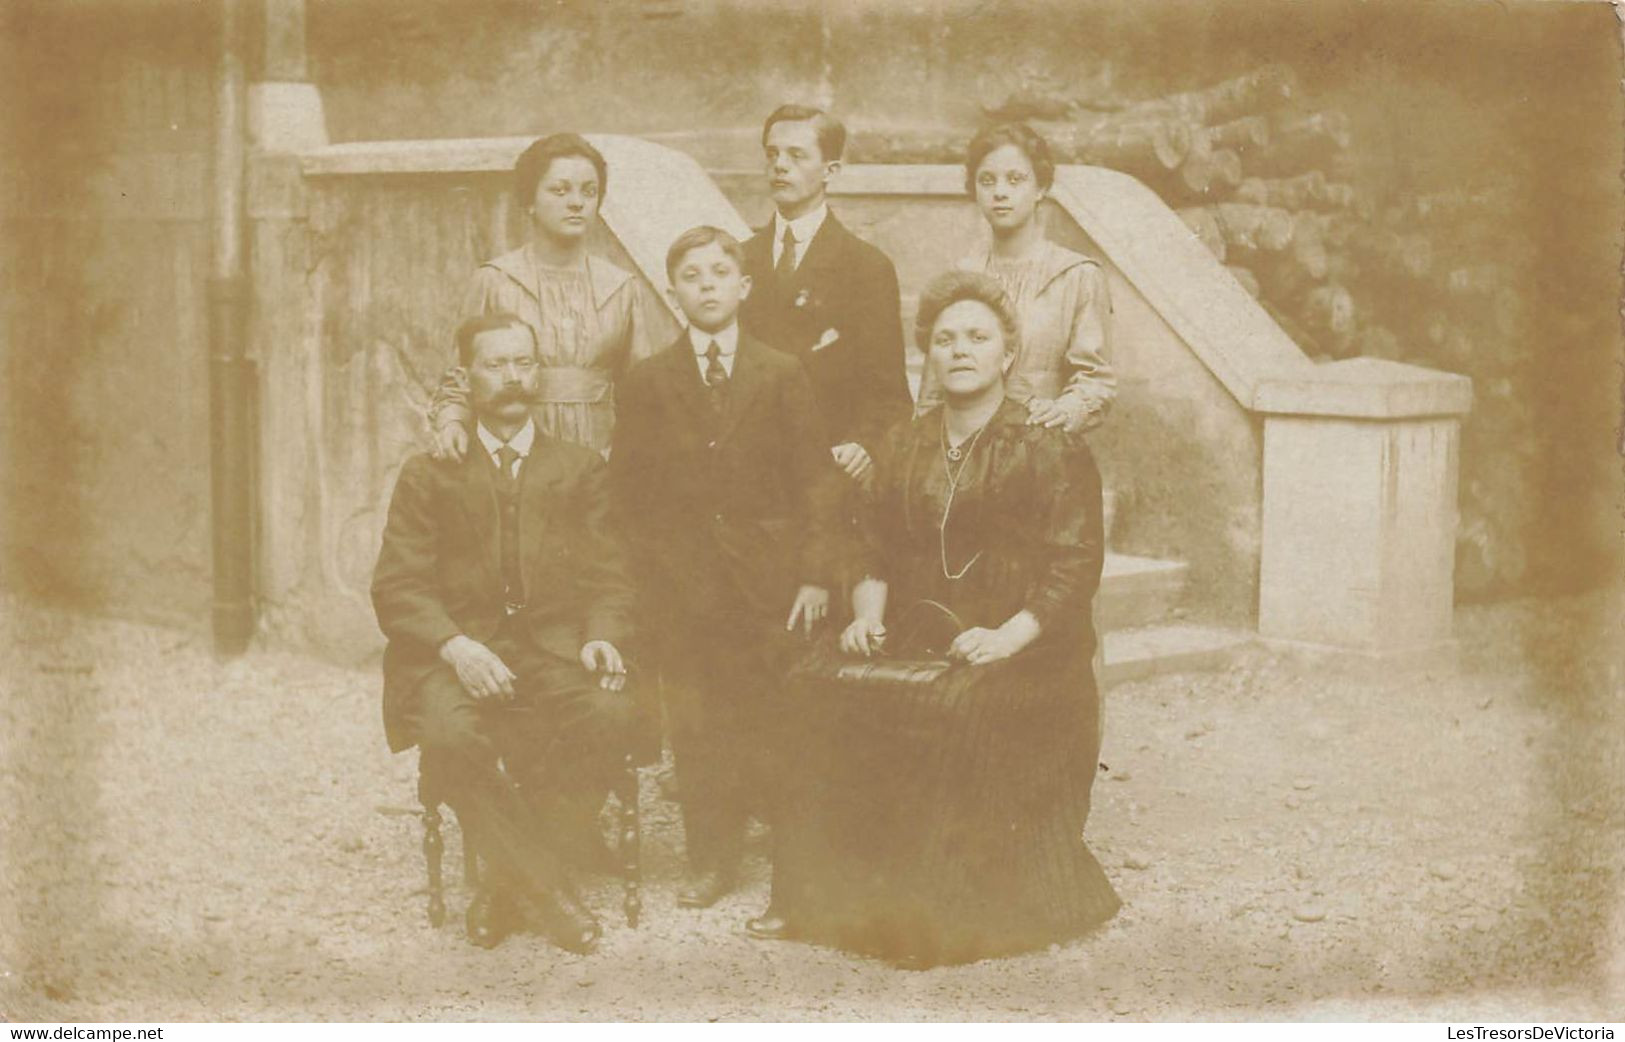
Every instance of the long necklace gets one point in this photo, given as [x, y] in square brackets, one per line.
[954, 454]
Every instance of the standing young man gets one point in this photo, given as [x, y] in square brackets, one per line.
[823, 295]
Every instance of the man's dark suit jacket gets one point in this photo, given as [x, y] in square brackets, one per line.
[847, 286]
[439, 571]
[722, 512]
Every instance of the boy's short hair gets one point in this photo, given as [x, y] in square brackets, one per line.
[533, 162]
[955, 285]
[1029, 141]
[695, 238]
[491, 320]
[831, 131]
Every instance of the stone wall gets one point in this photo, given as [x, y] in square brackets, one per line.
[104, 439]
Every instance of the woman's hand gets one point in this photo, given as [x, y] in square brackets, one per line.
[980, 646]
[451, 442]
[1069, 412]
[863, 637]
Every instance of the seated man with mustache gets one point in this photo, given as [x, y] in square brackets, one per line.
[506, 601]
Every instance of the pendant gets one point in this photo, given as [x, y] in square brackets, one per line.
[955, 454]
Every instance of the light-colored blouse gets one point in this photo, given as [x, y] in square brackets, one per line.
[1064, 311]
[591, 322]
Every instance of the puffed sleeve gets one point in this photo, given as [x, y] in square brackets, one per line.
[1067, 489]
[650, 325]
[1089, 372]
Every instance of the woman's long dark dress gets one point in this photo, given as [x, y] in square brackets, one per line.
[943, 822]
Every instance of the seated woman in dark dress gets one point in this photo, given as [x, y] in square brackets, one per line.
[932, 811]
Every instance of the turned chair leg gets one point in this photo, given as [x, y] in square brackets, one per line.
[433, 846]
[629, 847]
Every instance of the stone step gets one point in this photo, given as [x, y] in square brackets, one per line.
[1134, 654]
[1137, 591]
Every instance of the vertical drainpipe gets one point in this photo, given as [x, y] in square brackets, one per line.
[230, 371]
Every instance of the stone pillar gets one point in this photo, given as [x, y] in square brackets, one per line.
[284, 109]
[1359, 507]
[284, 120]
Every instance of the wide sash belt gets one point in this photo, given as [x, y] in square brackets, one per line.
[564, 384]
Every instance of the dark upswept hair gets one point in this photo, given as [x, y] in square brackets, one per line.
[1031, 143]
[533, 162]
[698, 236]
[491, 320]
[831, 131]
[956, 285]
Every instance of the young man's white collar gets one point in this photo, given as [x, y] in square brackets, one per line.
[805, 227]
[520, 442]
[727, 343]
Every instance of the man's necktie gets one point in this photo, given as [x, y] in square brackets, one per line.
[508, 549]
[506, 457]
[787, 256]
[716, 377]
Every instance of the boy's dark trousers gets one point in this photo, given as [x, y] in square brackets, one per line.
[720, 692]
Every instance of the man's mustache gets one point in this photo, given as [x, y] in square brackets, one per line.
[509, 396]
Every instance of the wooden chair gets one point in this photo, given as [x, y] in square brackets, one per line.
[628, 843]
[646, 745]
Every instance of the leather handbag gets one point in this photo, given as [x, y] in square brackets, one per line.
[917, 652]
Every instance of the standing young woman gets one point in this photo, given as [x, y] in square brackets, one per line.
[1061, 372]
[591, 318]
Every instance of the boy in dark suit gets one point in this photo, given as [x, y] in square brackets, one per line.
[506, 602]
[717, 461]
[823, 295]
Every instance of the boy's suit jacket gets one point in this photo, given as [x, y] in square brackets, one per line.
[722, 511]
[839, 314]
[439, 571]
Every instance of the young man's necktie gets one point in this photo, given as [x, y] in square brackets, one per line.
[787, 256]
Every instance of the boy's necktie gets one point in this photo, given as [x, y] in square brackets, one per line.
[716, 377]
[787, 256]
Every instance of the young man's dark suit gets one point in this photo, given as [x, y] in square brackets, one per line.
[846, 285]
[439, 574]
[720, 508]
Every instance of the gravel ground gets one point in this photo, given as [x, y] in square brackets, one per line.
[191, 840]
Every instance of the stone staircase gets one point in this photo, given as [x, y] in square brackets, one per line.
[1143, 629]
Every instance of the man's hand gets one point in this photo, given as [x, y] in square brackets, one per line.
[863, 637]
[482, 673]
[451, 442]
[1069, 412]
[603, 658]
[852, 458]
[811, 606]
